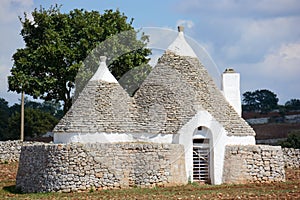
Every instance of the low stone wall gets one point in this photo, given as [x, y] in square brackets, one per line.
[253, 163]
[263, 120]
[291, 157]
[10, 150]
[73, 167]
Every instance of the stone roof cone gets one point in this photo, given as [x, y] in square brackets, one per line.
[180, 46]
[185, 89]
[102, 106]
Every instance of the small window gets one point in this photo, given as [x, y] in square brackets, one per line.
[198, 141]
[200, 128]
[201, 141]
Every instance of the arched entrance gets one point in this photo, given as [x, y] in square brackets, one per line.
[201, 156]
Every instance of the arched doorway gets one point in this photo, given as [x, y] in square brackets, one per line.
[201, 156]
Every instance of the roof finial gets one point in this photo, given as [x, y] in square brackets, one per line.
[180, 28]
[102, 58]
[180, 47]
[102, 73]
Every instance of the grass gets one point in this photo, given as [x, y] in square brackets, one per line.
[284, 190]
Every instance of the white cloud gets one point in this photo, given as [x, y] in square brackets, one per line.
[257, 37]
[279, 72]
[185, 23]
[10, 39]
[11, 9]
[284, 63]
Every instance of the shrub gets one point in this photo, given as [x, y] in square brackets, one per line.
[292, 141]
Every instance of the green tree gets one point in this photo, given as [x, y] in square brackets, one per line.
[4, 115]
[293, 104]
[292, 141]
[51, 107]
[262, 101]
[36, 123]
[249, 102]
[40, 118]
[58, 43]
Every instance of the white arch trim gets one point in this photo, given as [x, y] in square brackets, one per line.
[219, 141]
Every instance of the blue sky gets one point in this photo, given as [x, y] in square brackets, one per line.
[258, 38]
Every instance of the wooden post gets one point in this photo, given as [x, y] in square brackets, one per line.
[22, 117]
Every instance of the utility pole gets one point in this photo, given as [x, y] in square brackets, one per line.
[22, 116]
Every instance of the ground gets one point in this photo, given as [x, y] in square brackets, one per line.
[272, 130]
[275, 128]
[287, 190]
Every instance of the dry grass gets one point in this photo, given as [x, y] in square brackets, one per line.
[288, 190]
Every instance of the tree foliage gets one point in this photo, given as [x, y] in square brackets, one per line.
[40, 118]
[262, 101]
[36, 123]
[58, 43]
[293, 140]
[4, 115]
[293, 104]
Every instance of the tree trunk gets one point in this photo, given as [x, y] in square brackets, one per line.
[67, 105]
[22, 117]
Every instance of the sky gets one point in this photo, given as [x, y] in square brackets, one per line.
[260, 39]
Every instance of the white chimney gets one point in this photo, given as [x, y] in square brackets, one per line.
[231, 89]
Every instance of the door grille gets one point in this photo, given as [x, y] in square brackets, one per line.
[201, 164]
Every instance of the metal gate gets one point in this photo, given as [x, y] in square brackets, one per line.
[201, 163]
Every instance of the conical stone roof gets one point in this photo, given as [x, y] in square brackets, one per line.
[182, 86]
[177, 88]
[102, 106]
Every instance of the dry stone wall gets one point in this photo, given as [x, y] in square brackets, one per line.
[10, 150]
[291, 157]
[74, 167]
[253, 163]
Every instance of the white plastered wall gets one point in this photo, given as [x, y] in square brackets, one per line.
[218, 139]
[111, 137]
